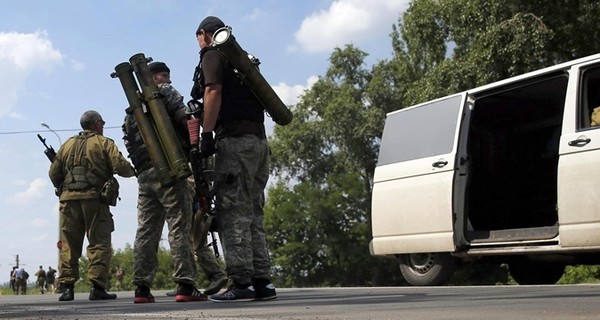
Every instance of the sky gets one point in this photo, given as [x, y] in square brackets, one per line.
[56, 58]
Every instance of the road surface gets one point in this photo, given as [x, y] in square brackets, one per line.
[423, 303]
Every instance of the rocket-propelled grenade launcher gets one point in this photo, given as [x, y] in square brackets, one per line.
[166, 153]
[226, 43]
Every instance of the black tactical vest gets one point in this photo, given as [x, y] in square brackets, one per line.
[238, 102]
[138, 153]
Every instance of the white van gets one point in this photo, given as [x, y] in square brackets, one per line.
[509, 171]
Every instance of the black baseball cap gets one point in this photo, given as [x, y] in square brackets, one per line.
[157, 66]
[210, 24]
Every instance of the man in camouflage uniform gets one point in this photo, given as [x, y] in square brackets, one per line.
[83, 164]
[40, 282]
[158, 203]
[236, 117]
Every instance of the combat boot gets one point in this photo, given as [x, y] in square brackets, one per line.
[99, 293]
[68, 293]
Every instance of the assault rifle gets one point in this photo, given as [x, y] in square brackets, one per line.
[205, 179]
[49, 152]
[205, 195]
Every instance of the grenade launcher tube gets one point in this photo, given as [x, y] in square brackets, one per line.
[166, 133]
[124, 72]
[224, 40]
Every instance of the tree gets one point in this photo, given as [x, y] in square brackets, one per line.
[460, 44]
[319, 221]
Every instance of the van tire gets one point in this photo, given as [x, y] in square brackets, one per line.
[427, 269]
[527, 272]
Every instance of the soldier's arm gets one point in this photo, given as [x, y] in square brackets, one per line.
[119, 163]
[55, 172]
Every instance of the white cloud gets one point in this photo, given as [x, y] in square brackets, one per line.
[39, 222]
[40, 238]
[22, 54]
[35, 190]
[254, 15]
[290, 95]
[347, 21]
[77, 65]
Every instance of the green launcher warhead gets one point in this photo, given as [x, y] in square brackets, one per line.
[156, 129]
[226, 43]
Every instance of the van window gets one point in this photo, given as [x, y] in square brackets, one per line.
[431, 129]
[589, 104]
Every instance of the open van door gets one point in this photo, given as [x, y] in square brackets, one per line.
[413, 185]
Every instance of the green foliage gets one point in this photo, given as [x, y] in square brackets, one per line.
[330, 149]
[580, 274]
[124, 257]
[455, 45]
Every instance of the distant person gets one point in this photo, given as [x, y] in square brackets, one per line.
[50, 279]
[21, 281]
[159, 203]
[40, 282]
[82, 170]
[13, 279]
[118, 278]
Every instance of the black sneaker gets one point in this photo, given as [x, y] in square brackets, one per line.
[216, 285]
[99, 293]
[143, 295]
[188, 293]
[67, 293]
[234, 294]
[265, 290]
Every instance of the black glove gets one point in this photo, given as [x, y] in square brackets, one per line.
[207, 144]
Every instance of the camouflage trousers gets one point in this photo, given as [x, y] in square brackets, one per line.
[157, 204]
[240, 206]
[79, 218]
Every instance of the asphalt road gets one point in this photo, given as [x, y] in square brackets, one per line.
[423, 303]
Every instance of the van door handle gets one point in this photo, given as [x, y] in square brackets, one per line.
[440, 163]
[580, 142]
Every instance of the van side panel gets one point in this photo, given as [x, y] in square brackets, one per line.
[413, 182]
[579, 163]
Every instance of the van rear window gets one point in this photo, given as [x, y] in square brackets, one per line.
[423, 131]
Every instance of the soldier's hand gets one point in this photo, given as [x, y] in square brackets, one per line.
[207, 144]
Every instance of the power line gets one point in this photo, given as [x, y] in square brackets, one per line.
[61, 130]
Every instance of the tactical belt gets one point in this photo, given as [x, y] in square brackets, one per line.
[236, 128]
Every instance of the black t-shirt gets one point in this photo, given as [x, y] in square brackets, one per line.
[237, 101]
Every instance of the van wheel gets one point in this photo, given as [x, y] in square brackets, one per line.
[533, 272]
[427, 269]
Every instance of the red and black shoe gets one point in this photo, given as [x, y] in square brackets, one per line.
[189, 293]
[143, 295]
